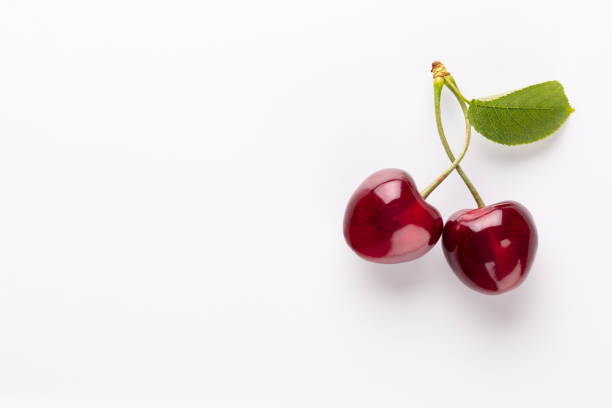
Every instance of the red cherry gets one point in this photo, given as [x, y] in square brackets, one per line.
[387, 221]
[492, 248]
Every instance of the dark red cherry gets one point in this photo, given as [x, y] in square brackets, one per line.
[387, 221]
[492, 248]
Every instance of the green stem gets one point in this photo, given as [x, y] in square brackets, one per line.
[438, 85]
[450, 82]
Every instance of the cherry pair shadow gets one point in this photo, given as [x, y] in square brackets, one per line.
[403, 278]
[431, 273]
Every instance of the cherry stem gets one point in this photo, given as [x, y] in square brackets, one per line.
[443, 77]
[452, 85]
[438, 85]
[449, 81]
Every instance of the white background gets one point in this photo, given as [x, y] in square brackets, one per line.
[173, 177]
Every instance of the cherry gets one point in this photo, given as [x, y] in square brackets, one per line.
[491, 248]
[387, 220]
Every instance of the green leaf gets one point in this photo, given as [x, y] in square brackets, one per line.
[522, 116]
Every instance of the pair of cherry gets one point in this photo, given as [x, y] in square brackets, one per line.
[490, 249]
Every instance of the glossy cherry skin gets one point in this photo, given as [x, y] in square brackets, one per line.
[492, 248]
[387, 221]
